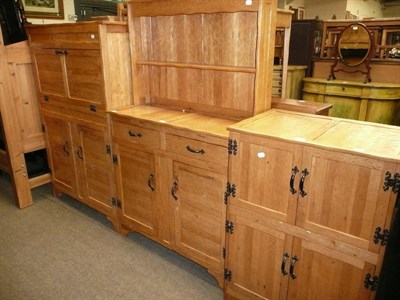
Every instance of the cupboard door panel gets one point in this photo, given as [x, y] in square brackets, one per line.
[94, 166]
[50, 72]
[61, 154]
[254, 256]
[262, 173]
[326, 274]
[136, 187]
[85, 76]
[200, 213]
[345, 198]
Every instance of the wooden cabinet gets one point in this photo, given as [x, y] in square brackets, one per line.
[80, 160]
[373, 102]
[307, 203]
[83, 64]
[82, 70]
[294, 81]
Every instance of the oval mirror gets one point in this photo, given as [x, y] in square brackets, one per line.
[354, 44]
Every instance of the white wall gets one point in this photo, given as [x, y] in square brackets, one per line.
[325, 9]
[365, 8]
[69, 9]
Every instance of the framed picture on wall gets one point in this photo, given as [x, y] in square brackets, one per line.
[44, 9]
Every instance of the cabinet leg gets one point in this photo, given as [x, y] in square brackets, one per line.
[118, 227]
[219, 276]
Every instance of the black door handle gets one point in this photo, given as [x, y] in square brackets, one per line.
[304, 173]
[295, 170]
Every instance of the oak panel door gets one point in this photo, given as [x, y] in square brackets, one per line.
[255, 258]
[84, 75]
[344, 197]
[61, 154]
[262, 171]
[200, 213]
[50, 72]
[94, 166]
[136, 188]
[321, 273]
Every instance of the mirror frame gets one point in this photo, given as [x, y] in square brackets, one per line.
[365, 60]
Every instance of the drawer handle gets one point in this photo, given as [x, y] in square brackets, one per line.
[283, 264]
[304, 173]
[295, 170]
[134, 134]
[60, 52]
[149, 181]
[201, 151]
[173, 190]
[65, 148]
[79, 152]
[291, 269]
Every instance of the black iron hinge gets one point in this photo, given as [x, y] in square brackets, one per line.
[392, 183]
[227, 274]
[229, 226]
[383, 237]
[232, 147]
[115, 202]
[92, 108]
[108, 149]
[43, 128]
[223, 252]
[230, 191]
[371, 282]
[115, 159]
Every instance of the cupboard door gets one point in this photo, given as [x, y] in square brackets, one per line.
[344, 197]
[255, 255]
[261, 171]
[85, 76]
[200, 213]
[95, 167]
[50, 72]
[136, 188]
[61, 155]
[326, 274]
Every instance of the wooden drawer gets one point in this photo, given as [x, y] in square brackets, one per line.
[341, 89]
[65, 36]
[136, 134]
[197, 149]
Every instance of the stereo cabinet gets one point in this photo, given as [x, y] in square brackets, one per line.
[310, 207]
[81, 70]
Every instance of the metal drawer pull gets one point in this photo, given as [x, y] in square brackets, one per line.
[60, 52]
[295, 170]
[291, 269]
[134, 134]
[149, 180]
[201, 151]
[65, 148]
[283, 264]
[173, 190]
[80, 153]
[304, 173]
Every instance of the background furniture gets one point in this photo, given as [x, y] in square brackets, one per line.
[305, 43]
[373, 102]
[87, 9]
[294, 82]
[22, 154]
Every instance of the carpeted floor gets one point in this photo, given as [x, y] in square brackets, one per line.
[61, 249]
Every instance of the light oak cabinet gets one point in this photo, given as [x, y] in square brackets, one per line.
[80, 159]
[81, 70]
[307, 202]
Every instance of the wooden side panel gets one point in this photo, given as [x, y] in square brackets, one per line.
[327, 274]
[200, 214]
[136, 186]
[345, 198]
